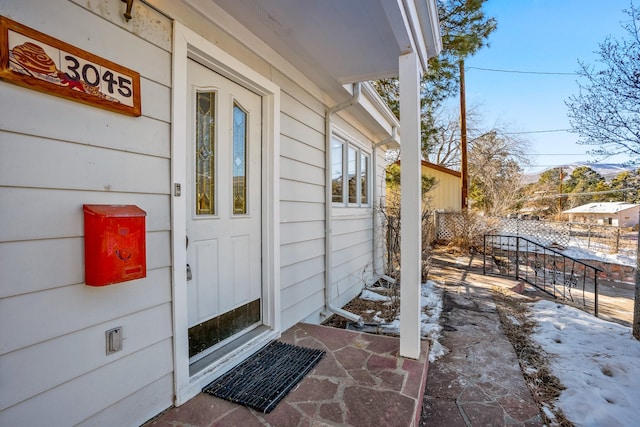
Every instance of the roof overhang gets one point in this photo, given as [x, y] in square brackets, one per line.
[440, 168]
[342, 41]
[602, 208]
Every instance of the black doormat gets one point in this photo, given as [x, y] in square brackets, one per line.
[262, 380]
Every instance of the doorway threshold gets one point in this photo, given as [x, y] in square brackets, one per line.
[231, 347]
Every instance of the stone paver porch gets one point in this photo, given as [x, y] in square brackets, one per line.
[361, 381]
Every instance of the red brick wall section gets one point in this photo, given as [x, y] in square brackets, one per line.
[614, 272]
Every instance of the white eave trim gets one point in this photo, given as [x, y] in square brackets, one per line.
[424, 27]
[379, 110]
[214, 13]
[430, 25]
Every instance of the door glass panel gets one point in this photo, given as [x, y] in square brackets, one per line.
[213, 331]
[239, 160]
[205, 153]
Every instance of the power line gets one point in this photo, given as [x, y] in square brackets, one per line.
[518, 133]
[522, 72]
[536, 131]
[559, 165]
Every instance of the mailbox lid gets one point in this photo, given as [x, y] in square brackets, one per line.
[121, 211]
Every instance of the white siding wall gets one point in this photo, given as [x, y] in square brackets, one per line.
[302, 226]
[629, 217]
[302, 190]
[353, 231]
[301, 202]
[55, 156]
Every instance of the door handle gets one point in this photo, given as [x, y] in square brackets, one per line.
[189, 275]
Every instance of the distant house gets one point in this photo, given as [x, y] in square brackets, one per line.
[446, 195]
[620, 214]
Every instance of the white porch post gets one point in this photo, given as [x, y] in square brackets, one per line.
[410, 206]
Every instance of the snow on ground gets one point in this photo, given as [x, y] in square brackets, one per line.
[597, 361]
[599, 255]
[581, 249]
[373, 296]
[430, 309]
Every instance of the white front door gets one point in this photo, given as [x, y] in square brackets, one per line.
[223, 218]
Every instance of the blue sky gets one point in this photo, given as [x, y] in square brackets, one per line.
[539, 36]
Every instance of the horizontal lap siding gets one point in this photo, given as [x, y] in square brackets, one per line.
[46, 163]
[55, 269]
[78, 399]
[63, 216]
[353, 232]
[73, 355]
[302, 214]
[152, 396]
[302, 193]
[352, 256]
[446, 193]
[55, 156]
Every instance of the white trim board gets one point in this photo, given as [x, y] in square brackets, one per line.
[188, 44]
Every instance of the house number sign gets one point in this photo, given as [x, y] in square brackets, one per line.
[37, 61]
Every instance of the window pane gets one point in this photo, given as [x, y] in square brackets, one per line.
[352, 174]
[205, 153]
[364, 179]
[336, 171]
[239, 160]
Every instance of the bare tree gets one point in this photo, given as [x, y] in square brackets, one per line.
[606, 110]
[443, 147]
[495, 169]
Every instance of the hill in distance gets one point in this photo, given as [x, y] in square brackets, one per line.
[607, 170]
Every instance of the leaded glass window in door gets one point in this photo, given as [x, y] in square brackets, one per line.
[239, 160]
[205, 153]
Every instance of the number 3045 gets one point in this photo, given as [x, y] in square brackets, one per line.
[109, 81]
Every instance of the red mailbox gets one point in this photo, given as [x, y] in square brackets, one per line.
[114, 244]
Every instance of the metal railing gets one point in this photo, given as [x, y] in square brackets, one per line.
[545, 268]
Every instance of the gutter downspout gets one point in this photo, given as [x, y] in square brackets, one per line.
[392, 138]
[328, 209]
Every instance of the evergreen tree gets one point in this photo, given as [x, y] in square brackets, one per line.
[465, 30]
[630, 182]
[583, 179]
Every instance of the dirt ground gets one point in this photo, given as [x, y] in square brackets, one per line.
[511, 297]
[615, 300]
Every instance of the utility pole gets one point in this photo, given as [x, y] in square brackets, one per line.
[464, 171]
[636, 303]
[560, 197]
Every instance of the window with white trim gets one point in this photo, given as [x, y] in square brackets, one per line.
[349, 174]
